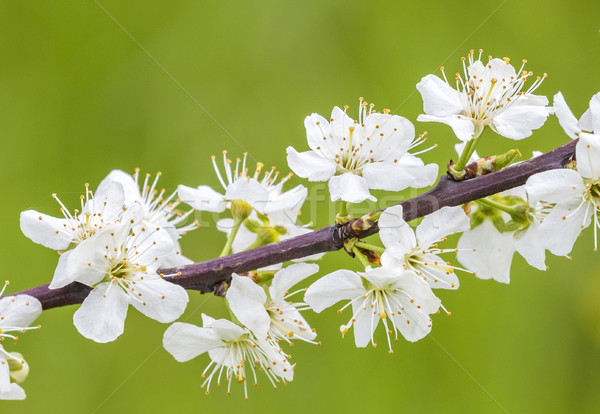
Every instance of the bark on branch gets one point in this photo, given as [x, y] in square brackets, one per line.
[205, 276]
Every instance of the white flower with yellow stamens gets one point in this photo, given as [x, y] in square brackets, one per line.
[418, 250]
[390, 294]
[120, 263]
[17, 313]
[491, 94]
[272, 315]
[154, 208]
[238, 185]
[355, 156]
[233, 351]
[105, 207]
[571, 196]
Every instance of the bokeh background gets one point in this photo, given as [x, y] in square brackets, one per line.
[89, 86]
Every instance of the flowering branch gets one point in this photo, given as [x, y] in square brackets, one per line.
[207, 276]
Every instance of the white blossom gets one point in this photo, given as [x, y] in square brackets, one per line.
[491, 94]
[120, 263]
[571, 196]
[418, 250]
[271, 314]
[154, 208]
[234, 351]
[356, 156]
[98, 210]
[488, 252]
[17, 313]
[395, 296]
[262, 193]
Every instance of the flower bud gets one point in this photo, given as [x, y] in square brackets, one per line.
[19, 369]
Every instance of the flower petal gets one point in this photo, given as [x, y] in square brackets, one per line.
[439, 98]
[185, 341]
[247, 302]
[529, 245]
[365, 324]
[158, 299]
[555, 186]
[566, 119]
[310, 165]
[408, 171]
[395, 232]
[493, 252]
[317, 128]
[289, 276]
[390, 135]
[250, 191]
[54, 233]
[588, 155]
[202, 198]
[562, 226]
[443, 222]
[461, 125]
[330, 289]
[101, 316]
[349, 187]
[519, 121]
[19, 310]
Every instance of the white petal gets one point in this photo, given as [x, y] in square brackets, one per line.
[158, 299]
[461, 125]
[413, 323]
[202, 198]
[101, 316]
[20, 310]
[390, 135]
[562, 226]
[54, 233]
[340, 123]
[349, 187]
[107, 203]
[493, 252]
[555, 186]
[310, 165]
[595, 112]
[365, 324]
[437, 274]
[4, 374]
[225, 329]
[283, 208]
[87, 263]
[15, 392]
[518, 121]
[330, 289]
[185, 341]
[61, 277]
[317, 128]
[250, 191]
[247, 302]
[409, 171]
[290, 276]
[529, 245]
[566, 119]
[439, 98]
[588, 155]
[395, 232]
[130, 188]
[443, 222]
[154, 246]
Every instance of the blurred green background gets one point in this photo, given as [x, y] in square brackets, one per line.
[86, 87]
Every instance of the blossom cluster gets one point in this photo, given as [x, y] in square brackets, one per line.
[123, 241]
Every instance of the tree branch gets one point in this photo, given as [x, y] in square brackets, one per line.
[206, 276]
